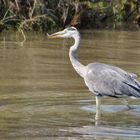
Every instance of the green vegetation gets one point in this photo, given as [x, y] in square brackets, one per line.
[43, 15]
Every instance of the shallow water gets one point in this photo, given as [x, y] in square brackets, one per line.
[42, 97]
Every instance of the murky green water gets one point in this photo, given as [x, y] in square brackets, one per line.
[43, 98]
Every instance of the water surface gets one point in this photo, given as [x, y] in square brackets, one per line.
[42, 97]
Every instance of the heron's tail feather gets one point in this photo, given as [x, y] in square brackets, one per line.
[132, 90]
[137, 83]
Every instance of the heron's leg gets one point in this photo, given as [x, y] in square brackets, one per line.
[98, 102]
[98, 112]
[125, 102]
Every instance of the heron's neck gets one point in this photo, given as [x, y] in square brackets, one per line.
[80, 69]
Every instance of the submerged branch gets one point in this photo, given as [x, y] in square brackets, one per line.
[20, 31]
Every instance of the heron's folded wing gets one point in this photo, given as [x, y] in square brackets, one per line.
[104, 82]
[108, 80]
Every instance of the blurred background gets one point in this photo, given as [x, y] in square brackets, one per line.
[44, 15]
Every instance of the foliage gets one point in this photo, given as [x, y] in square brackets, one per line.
[43, 15]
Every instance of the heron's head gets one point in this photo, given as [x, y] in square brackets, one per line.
[66, 33]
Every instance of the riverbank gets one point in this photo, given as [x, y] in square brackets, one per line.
[42, 16]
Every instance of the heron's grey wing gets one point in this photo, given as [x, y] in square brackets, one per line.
[129, 77]
[105, 81]
[133, 75]
[122, 72]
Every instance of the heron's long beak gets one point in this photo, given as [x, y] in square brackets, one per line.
[56, 35]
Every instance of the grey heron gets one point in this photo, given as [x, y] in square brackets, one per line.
[101, 79]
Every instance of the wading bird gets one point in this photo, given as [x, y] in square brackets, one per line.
[101, 79]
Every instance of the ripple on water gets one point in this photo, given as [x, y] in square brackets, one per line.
[42, 97]
[132, 132]
[113, 108]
